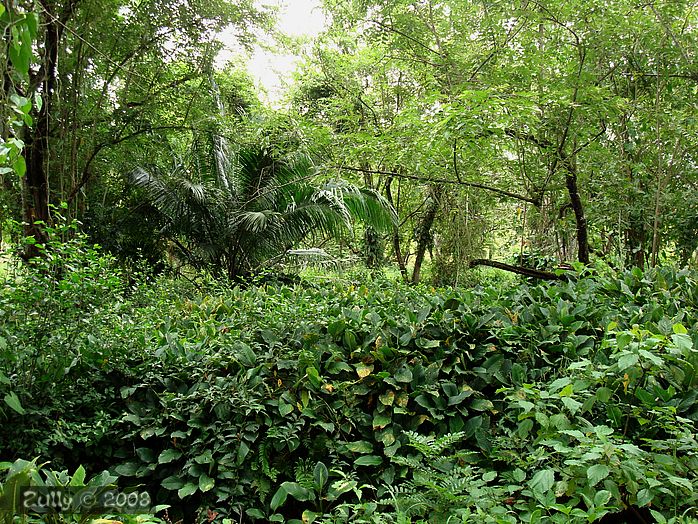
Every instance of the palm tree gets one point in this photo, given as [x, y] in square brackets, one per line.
[255, 208]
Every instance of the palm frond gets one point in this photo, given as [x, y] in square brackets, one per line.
[366, 205]
[254, 207]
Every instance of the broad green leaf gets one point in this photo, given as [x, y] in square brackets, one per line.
[12, 400]
[78, 478]
[597, 473]
[368, 460]
[20, 166]
[172, 483]
[360, 446]
[571, 404]
[206, 483]
[168, 456]
[567, 391]
[602, 497]
[339, 487]
[245, 355]
[103, 479]
[615, 415]
[387, 398]
[558, 384]
[542, 481]
[657, 361]
[403, 374]
[604, 394]
[481, 404]
[525, 405]
[381, 420]
[145, 454]
[658, 517]
[679, 329]
[320, 475]
[681, 482]
[644, 497]
[279, 498]
[188, 489]
[525, 426]
[314, 376]
[297, 491]
[363, 370]
[285, 409]
[627, 360]
[243, 451]
[204, 458]
[682, 342]
[127, 470]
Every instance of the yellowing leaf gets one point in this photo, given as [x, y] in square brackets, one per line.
[363, 370]
[387, 398]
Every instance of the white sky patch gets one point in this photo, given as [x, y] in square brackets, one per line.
[270, 68]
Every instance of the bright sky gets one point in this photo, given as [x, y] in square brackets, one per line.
[271, 70]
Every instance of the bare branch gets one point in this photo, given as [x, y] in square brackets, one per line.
[535, 201]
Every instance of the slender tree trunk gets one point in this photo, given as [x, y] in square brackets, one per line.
[396, 232]
[424, 238]
[578, 208]
[373, 243]
[659, 177]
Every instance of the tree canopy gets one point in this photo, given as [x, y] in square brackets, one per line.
[527, 133]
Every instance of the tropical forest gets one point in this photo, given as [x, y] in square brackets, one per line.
[444, 270]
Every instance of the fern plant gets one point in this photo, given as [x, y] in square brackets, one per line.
[440, 485]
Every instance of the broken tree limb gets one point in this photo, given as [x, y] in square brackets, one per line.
[526, 271]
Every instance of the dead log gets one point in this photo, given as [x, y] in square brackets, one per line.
[520, 270]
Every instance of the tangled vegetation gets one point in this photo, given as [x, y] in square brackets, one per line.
[166, 334]
[356, 400]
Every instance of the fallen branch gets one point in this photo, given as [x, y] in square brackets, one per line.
[526, 271]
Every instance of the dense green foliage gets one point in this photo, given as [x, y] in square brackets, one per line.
[254, 211]
[555, 131]
[188, 356]
[360, 400]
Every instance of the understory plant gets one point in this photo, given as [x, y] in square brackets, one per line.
[367, 401]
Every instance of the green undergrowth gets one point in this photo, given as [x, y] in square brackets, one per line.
[360, 400]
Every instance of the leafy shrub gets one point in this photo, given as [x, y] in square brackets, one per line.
[334, 402]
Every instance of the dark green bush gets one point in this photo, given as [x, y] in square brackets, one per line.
[548, 403]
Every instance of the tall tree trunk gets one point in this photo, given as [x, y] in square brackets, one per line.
[424, 238]
[35, 181]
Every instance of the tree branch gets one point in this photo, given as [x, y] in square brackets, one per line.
[520, 270]
[408, 37]
[86, 174]
[535, 201]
